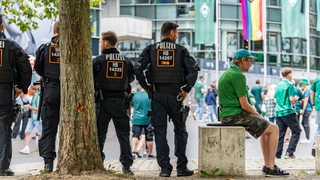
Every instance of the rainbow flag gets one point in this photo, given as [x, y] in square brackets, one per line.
[252, 19]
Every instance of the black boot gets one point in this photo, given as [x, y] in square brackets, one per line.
[6, 172]
[184, 172]
[127, 170]
[48, 165]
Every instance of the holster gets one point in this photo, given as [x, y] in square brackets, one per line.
[184, 113]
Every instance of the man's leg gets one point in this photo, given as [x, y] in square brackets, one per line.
[293, 124]
[269, 143]
[282, 131]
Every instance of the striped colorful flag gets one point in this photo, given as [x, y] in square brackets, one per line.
[252, 19]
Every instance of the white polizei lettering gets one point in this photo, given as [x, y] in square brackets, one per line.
[114, 57]
[165, 45]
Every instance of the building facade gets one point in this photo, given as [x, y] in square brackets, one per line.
[281, 52]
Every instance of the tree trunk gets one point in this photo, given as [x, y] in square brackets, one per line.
[78, 144]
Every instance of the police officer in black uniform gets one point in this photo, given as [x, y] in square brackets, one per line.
[15, 71]
[113, 74]
[47, 65]
[171, 73]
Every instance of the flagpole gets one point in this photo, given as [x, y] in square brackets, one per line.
[264, 34]
[308, 37]
[217, 38]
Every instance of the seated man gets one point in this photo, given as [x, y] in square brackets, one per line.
[236, 109]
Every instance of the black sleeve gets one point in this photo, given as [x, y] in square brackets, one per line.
[141, 65]
[191, 69]
[95, 71]
[131, 71]
[39, 62]
[23, 68]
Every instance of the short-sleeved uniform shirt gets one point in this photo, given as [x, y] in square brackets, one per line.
[232, 85]
[315, 87]
[284, 90]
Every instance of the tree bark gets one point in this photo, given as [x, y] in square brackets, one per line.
[78, 144]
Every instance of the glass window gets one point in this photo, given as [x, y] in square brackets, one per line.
[296, 46]
[166, 12]
[257, 45]
[232, 43]
[313, 46]
[127, 11]
[146, 11]
[185, 11]
[184, 1]
[126, 1]
[95, 21]
[313, 6]
[285, 49]
[304, 47]
[184, 39]
[274, 14]
[273, 42]
[140, 45]
[230, 11]
[313, 20]
[166, 1]
[142, 1]
[273, 2]
[272, 59]
[286, 44]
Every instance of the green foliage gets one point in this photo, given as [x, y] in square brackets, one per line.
[25, 13]
[213, 173]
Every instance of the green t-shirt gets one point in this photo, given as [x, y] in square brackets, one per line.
[284, 90]
[315, 87]
[231, 86]
[257, 91]
[197, 89]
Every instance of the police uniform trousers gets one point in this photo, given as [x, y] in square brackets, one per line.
[50, 114]
[115, 109]
[5, 126]
[163, 105]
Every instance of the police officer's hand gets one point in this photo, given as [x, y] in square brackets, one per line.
[184, 94]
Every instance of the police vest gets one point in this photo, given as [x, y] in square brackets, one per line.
[114, 73]
[166, 63]
[52, 61]
[6, 61]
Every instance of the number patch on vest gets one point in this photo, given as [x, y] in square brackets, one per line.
[165, 58]
[54, 55]
[114, 69]
[0, 57]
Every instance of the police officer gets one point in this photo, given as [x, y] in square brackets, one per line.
[172, 72]
[15, 71]
[113, 74]
[47, 65]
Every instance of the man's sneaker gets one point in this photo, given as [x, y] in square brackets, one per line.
[135, 155]
[165, 172]
[127, 170]
[6, 172]
[25, 150]
[150, 156]
[264, 169]
[305, 141]
[184, 172]
[48, 165]
[276, 171]
[289, 156]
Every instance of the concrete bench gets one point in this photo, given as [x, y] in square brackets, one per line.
[221, 150]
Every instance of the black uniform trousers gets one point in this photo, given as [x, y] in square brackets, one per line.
[5, 126]
[50, 114]
[162, 106]
[115, 109]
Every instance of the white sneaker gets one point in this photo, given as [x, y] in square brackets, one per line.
[25, 150]
[305, 141]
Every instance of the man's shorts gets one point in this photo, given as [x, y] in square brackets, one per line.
[32, 124]
[255, 125]
[138, 130]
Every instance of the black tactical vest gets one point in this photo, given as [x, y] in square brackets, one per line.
[113, 75]
[52, 61]
[6, 61]
[166, 63]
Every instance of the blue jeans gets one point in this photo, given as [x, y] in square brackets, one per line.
[200, 103]
[210, 112]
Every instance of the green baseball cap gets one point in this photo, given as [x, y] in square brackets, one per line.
[304, 81]
[243, 53]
